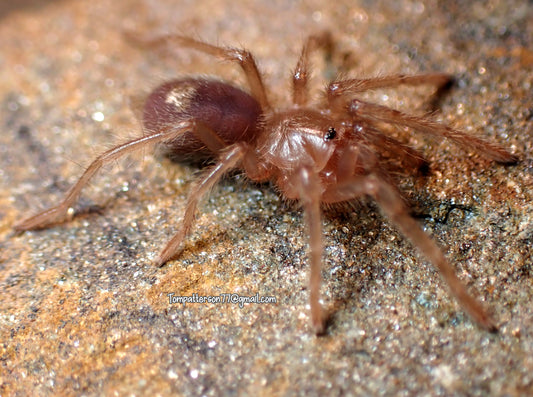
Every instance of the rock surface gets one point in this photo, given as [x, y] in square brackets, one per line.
[83, 311]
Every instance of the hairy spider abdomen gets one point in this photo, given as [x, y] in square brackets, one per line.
[229, 112]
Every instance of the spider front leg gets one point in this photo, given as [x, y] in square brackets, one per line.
[55, 214]
[408, 156]
[228, 160]
[339, 90]
[300, 77]
[308, 187]
[372, 112]
[392, 205]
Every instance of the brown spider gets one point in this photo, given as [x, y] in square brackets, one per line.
[322, 154]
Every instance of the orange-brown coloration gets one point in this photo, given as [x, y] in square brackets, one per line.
[329, 152]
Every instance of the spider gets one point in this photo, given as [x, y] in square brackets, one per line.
[320, 154]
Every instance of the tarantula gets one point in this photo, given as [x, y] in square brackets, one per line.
[316, 154]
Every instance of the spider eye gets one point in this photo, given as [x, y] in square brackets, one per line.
[330, 134]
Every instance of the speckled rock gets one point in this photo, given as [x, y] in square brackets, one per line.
[84, 312]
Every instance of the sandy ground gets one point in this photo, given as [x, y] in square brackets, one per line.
[83, 311]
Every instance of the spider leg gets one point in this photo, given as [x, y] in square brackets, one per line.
[338, 90]
[209, 138]
[301, 74]
[228, 160]
[307, 184]
[243, 57]
[408, 156]
[374, 112]
[392, 205]
[55, 214]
